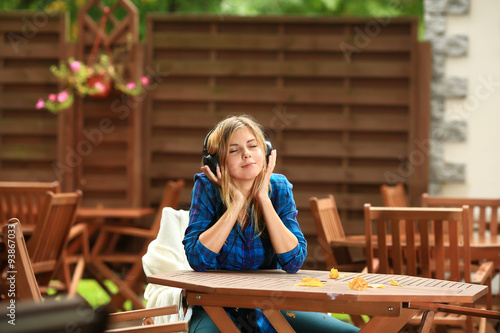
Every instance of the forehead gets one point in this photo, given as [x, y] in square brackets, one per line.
[242, 134]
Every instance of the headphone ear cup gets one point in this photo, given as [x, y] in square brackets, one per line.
[269, 147]
[212, 162]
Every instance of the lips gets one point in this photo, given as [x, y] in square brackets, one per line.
[248, 165]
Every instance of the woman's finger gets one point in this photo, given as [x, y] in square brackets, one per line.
[272, 161]
[206, 170]
[219, 172]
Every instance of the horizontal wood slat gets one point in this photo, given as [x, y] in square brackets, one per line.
[33, 152]
[29, 51]
[216, 68]
[28, 126]
[27, 76]
[234, 41]
[26, 24]
[373, 96]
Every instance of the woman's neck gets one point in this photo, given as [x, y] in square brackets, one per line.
[244, 187]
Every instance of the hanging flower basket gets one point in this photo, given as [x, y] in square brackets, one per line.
[100, 82]
[95, 79]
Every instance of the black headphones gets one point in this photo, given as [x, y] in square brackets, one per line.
[212, 160]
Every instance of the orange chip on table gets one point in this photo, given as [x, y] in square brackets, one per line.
[358, 283]
[334, 273]
[395, 283]
[310, 282]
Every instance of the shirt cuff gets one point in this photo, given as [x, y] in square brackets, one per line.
[291, 261]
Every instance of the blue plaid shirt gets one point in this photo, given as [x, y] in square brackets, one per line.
[243, 250]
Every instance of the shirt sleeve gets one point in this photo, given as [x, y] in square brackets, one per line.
[284, 204]
[201, 214]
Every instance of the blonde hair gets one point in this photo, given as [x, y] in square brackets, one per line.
[218, 144]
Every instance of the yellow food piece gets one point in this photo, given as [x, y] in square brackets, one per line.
[290, 314]
[376, 286]
[394, 283]
[334, 273]
[358, 283]
[310, 282]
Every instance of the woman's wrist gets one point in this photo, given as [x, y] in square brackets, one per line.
[262, 198]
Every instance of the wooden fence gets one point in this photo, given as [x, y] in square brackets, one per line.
[344, 100]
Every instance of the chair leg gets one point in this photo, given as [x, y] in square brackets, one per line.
[77, 276]
[426, 323]
[123, 288]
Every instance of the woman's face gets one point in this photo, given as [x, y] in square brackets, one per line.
[245, 159]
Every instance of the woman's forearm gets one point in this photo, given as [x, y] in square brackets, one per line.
[214, 237]
[283, 240]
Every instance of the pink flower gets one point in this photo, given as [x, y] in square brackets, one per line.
[62, 96]
[52, 97]
[99, 86]
[130, 85]
[75, 66]
[144, 80]
[40, 104]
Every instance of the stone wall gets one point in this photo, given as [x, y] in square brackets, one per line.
[442, 87]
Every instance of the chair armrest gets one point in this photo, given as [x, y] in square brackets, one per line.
[484, 273]
[436, 307]
[77, 229]
[142, 313]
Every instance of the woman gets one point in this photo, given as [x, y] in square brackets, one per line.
[244, 217]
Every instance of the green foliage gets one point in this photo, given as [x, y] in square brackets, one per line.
[372, 8]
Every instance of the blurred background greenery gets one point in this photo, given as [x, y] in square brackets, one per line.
[373, 8]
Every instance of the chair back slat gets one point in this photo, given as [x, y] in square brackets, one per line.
[23, 200]
[411, 264]
[425, 249]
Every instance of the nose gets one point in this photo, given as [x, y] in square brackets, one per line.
[246, 153]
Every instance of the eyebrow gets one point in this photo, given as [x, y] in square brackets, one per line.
[235, 144]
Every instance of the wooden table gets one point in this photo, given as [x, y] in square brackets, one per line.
[274, 290]
[122, 213]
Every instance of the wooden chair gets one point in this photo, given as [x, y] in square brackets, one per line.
[132, 282]
[26, 284]
[485, 212]
[23, 200]
[424, 248]
[330, 233]
[28, 290]
[50, 237]
[484, 227]
[394, 196]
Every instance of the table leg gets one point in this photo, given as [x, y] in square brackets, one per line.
[221, 319]
[389, 324]
[277, 320]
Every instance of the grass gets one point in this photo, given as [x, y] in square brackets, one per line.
[95, 295]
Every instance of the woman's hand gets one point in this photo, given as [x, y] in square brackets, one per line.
[217, 179]
[263, 192]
